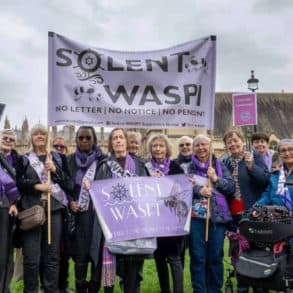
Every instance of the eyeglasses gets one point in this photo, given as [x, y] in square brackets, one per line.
[284, 151]
[8, 139]
[181, 145]
[86, 137]
[59, 146]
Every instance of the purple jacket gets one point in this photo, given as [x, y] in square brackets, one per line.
[8, 187]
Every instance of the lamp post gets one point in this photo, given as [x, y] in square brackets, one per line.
[252, 84]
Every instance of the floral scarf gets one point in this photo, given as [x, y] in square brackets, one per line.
[236, 203]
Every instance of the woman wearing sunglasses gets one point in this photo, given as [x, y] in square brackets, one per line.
[59, 145]
[83, 162]
[8, 197]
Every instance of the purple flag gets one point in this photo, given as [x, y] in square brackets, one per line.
[141, 207]
[244, 109]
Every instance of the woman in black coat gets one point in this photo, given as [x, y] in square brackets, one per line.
[169, 248]
[33, 186]
[119, 164]
[8, 197]
[86, 157]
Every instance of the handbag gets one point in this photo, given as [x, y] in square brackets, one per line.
[32, 218]
[135, 246]
[261, 268]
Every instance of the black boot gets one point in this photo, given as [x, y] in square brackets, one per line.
[93, 287]
[81, 284]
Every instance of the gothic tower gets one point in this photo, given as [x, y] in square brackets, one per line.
[7, 123]
[24, 130]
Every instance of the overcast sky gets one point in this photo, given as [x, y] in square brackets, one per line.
[251, 34]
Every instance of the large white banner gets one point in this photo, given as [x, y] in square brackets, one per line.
[170, 88]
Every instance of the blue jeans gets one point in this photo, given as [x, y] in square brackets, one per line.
[206, 258]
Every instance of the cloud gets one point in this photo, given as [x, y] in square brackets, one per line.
[252, 34]
[272, 6]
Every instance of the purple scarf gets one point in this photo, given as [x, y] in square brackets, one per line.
[163, 167]
[83, 161]
[129, 166]
[10, 160]
[201, 169]
[8, 186]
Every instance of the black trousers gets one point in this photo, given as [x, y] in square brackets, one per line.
[65, 251]
[35, 247]
[5, 248]
[129, 268]
[175, 263]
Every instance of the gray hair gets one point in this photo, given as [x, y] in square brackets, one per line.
[136, 135]
[162, 137]
[38, 128]
[8, 132]
[201, 137]
[185, 137]
[284, 141]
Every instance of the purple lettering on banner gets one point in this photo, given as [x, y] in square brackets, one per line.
[141, 207]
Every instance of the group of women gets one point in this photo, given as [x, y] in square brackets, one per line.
[231, 185]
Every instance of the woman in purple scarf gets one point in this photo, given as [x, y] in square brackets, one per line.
[206, 258]
[8, 197]
[120, 163]
[169, 248]
[86, 158]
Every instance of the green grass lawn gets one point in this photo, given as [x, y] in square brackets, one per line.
[150, 283]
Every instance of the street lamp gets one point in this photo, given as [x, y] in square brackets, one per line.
[252, 82]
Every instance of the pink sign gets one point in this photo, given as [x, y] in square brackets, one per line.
[244, 109]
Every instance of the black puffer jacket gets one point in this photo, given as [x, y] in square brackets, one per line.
[27, 177]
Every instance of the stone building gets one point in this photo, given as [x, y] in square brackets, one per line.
[274, 117]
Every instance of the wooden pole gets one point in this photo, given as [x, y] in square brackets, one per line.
[49, 182]
[209, 185]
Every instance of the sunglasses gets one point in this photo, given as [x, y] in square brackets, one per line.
[8, 139]
[184, 144]
[59, 147]
[86, 137]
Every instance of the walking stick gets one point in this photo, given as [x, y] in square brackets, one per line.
[209, 185]
[49, 193]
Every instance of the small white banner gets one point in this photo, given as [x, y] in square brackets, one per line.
[170, 88]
